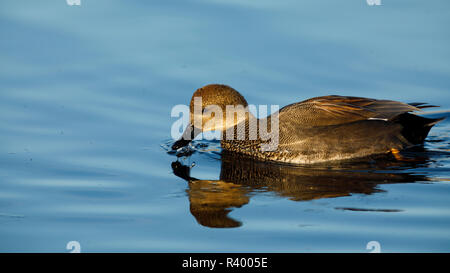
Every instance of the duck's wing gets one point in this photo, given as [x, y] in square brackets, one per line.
[333, 110]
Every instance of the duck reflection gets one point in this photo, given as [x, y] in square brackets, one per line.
[212, 200]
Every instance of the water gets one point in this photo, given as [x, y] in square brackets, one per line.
[85, 99]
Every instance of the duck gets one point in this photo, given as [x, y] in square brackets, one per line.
[316, 130]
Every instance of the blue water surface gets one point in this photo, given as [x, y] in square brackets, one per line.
[86, 94]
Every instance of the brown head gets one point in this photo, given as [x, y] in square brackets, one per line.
[208, 111]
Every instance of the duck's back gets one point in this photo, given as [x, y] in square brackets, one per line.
[333, 110]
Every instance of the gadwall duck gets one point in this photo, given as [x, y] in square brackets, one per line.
[315, 130]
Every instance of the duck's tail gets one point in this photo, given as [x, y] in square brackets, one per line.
[416, 128]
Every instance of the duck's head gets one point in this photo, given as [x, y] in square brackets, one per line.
[208, 111]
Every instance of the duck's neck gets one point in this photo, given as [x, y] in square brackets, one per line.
[251, 134]
[244, 129]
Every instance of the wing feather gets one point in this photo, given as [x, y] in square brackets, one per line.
[333, 110]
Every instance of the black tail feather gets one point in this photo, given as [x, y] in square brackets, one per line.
[422, 105]
[415, 128]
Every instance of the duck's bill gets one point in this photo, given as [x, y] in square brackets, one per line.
[180, 144]
[189, 134]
